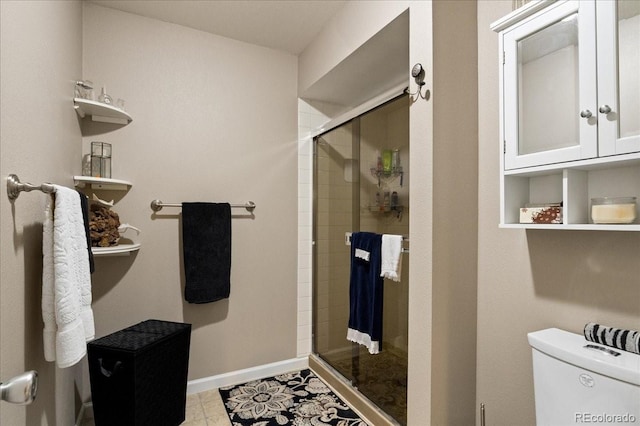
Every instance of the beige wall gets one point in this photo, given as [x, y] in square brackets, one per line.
[41, 44]
[421, 162]
[531, 280]
[214, 120]
[455, 221]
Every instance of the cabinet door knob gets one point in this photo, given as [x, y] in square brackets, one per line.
[585, 113]
[605, 109]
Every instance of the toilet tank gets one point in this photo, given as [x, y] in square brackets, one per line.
[580, 382]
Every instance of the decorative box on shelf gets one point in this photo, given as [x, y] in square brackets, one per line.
[541, 213]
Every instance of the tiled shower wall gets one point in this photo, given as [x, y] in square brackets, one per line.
[334, 217]
[311, 116]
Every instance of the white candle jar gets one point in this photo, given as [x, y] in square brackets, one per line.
[613, 210]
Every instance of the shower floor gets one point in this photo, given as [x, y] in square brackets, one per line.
[382, 379]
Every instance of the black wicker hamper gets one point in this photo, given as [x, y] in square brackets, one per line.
[139, 375]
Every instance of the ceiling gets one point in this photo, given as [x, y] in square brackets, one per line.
[284, 25]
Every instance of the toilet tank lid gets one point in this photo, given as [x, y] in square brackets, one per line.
[572, 348]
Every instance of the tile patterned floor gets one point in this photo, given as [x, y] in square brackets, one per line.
[202, 409]
[206, 409]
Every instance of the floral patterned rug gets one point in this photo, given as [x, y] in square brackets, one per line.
[298, 399]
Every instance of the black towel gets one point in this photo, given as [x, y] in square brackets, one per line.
[206, 245]
[84, 203]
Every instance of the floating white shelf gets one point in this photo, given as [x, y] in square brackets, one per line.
[119, 250]
[105, 113]
[573, 227]
[101, 112]
[102, 183]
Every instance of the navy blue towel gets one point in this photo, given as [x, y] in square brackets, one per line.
[366, 291]
[206, 246]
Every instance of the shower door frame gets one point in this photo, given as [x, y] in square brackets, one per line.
[355, 222]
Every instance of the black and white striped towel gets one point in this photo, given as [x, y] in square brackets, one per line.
[626, 340]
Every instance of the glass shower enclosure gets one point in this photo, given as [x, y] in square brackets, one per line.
[361, 184]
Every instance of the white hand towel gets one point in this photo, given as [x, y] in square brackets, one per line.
[391, 252]
[66, 280]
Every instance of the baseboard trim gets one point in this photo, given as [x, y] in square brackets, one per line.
[240, 376]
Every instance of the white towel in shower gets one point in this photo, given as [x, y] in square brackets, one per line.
[66, 280]
[391, 252]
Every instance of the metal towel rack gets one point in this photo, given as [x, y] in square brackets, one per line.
[15, 187]
[347, 241]
[157, 205]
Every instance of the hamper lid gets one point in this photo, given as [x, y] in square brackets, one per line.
[140, 335]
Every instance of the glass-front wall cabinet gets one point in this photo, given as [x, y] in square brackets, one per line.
[619, 75]
[571, 83]
[569, 112]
